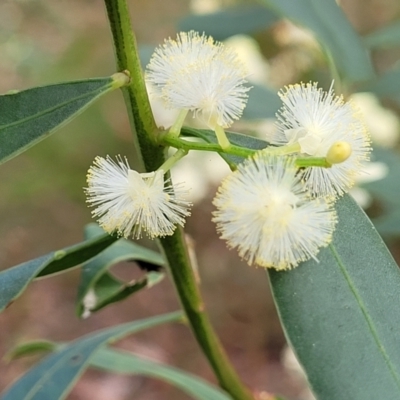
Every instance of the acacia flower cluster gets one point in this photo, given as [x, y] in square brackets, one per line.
[264, 210]
[316, 120]
[274, 213]
[195, 73]
[129, 203]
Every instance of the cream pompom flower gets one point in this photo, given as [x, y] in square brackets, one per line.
[129, 203]
[264, 211]
[195, 73]
[316, 120]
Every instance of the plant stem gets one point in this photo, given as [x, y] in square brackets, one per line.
[193, 305]
[174, 246]
[175, 129]
[301, 162]
[221, 136]
[170, 162]
[135, 94]
[180, 143]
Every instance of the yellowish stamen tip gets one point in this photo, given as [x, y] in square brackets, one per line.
[338, 153]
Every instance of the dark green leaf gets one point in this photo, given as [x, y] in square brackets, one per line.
[13, 281]
[238, 139]
[29, 348]
[103, 285]
[386, 37]
[386, 86]
[54, 377]
[341, 315]
[145, 52]
[263, 103]
[386, 191]
[332, 29]
[235, 138]
[31, 115]
[223, 24]
[127, 363]
[389, 223]
[111, 290]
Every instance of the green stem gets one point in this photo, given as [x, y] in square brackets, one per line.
[135, 94]
[189, 294]
[222, 138]
[286, 149]
[174, 246]
[304, 162]
[170, 162]
[179, 143]
[175, 129]
[187, 145]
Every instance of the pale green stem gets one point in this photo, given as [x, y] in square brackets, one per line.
[222, 138]
[304, 162]
[301, 162]
[180, 143]
[285, 150]
[175, 129]
[170, 162]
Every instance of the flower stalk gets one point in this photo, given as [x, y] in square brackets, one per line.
[175, 129]
[171, 161]
[301, 162]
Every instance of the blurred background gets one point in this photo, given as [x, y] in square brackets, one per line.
[42, 205]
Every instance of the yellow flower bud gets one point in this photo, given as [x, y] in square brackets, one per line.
[338, 152]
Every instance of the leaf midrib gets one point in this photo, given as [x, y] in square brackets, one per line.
[55, 368]
[59, 105]
[368, 319]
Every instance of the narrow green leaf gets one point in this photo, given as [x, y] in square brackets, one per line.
[263, 103]
[332, 29]
[128, 363]
[232, 21]
[341, 315]
[54, 377]
[29, 348]
[238, 139]
[31, 115]
[386, 86]
[235, 138]
[387, 190]
[386, 37]
[103, 285]
[13, 281]
[388, 225]
[111, 290]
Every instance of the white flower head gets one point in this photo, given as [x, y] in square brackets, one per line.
[264, 211]
[130, 203]
[195, 73]
[316, 120]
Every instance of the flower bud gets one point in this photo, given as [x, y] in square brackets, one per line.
[338, 152]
